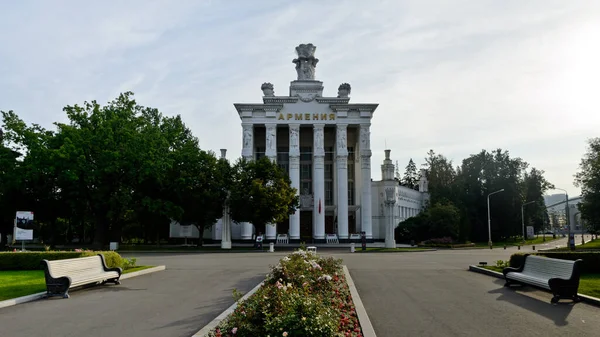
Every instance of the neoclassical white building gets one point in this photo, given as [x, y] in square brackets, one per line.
[324, 143]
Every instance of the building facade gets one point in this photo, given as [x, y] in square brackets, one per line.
[324, 143]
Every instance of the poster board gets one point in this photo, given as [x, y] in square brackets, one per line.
[23, 226]
[530, 233]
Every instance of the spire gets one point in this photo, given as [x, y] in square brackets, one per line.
[388, 168]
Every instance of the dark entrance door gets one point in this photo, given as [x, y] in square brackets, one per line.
[306, 221]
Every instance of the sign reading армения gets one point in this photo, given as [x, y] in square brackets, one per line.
[306, 117]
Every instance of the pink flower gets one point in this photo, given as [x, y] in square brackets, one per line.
[234, 330]
[285, 333]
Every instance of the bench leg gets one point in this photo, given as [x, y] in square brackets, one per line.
[66, 294]
[576, 299]
[555, 299]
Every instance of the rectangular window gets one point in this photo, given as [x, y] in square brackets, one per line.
[351, 171]
[328, 193]
[328, 171]
[329, 154]
[351, 193]
[259, 152]
[305, 171]
[283, 157]
[350, 153]
[285, 167]
[306, 153]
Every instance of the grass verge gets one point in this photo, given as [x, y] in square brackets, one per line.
[391, 250]
[133, 248]
[589, 284]
[537, 241]
[19, 283]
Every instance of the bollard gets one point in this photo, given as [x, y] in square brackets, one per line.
[504, 247]
[533, 247]
[518, 247]
[352, 249]
[271, 247]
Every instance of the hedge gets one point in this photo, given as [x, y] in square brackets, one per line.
[33, 260]
[591, 260]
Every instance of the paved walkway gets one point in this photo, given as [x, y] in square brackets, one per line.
[405, 294]
[179, 301]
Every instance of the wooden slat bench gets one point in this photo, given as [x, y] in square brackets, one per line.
[561, 277]
[61, 275]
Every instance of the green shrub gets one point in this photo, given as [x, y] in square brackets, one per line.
[591, 260]
[33, 260]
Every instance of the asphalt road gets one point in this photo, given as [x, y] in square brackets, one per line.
[432, 294]
[405, 294]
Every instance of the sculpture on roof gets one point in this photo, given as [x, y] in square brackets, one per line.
[344, 90]
[306, 62]
[267, 89]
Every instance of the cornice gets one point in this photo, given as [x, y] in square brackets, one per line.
[356, 106]
[333, 100]
[240, 107]
[280, 99]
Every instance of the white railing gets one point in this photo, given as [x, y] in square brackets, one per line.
[354, 236]
[332, 238]
[282, 239]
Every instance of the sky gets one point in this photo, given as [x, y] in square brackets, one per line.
[453, 76]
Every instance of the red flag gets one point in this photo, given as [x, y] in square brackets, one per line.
[319, 205]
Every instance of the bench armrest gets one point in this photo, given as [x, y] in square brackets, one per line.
[516, 270]
[106, 268]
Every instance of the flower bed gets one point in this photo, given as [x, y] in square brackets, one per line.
[303, 295]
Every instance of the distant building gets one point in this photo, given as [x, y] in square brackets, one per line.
[324, 143]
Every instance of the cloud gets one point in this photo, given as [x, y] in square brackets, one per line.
[455, 76]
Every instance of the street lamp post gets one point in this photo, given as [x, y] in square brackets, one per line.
[489, 220]
[523, 217]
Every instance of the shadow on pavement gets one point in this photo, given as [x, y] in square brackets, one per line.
[558, 313]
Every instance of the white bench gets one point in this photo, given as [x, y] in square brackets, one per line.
[332, 238]
[61, 275]
[561, 277]
[282, 239]
[355, 237]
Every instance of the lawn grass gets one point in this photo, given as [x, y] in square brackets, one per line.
[26, 282]
[126, 248]
[390, 250]
[589, 284]
[539, 240]
[20, 283]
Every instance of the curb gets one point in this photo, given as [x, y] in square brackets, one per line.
[584, 298]
[215, 322]
[143, 272]
[363, 318]
[37, 296]
[395, 251]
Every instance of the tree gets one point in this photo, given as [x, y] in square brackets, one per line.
[261, 193]
[411, 177]
[441, 177]
[588, 179]
[534, 188]
[440, 220]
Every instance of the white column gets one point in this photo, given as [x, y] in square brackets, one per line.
[271, 153]
[294, 154]
[226, 230]
[342, 181]
[319, 181]
[390, 200]
[248, 154]
[365, 166]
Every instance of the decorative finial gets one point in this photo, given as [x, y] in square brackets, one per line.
[267, 89]
[306, 62]
[344, 90]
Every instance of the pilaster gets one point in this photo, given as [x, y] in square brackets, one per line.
[294, 154]
[319, 181]
[271, 153]
[342, 180]
[248, 154]
[365, 166]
